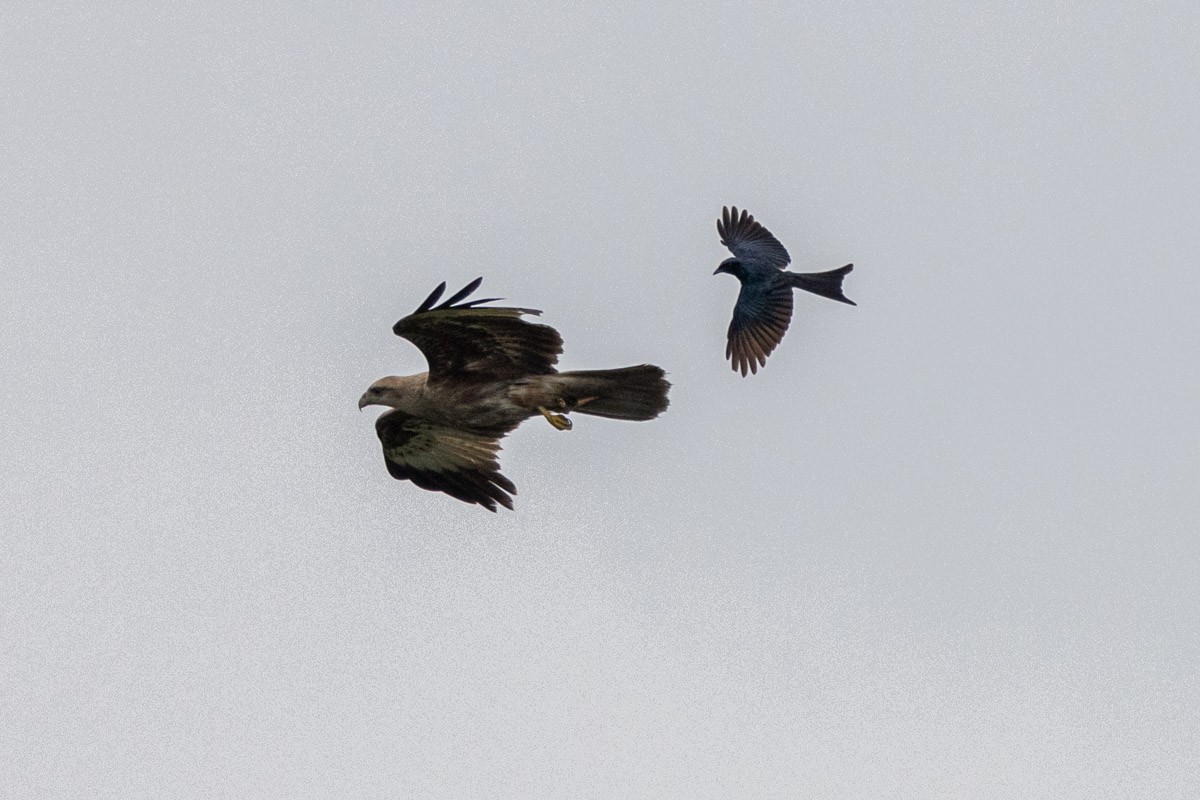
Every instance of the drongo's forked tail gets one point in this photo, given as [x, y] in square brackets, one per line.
[827, 284]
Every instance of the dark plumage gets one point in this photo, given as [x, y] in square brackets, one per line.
[764, 305]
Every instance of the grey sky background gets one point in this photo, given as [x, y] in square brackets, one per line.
[945, 545]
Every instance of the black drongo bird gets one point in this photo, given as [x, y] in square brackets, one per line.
[764, 305]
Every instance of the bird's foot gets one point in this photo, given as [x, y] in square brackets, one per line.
[557, 420]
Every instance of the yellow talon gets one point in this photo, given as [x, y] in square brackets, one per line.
[557, 420]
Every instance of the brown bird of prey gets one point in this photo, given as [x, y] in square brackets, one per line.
[764, 305]
[489, 371]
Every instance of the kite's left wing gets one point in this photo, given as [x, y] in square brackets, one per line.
[441, 459]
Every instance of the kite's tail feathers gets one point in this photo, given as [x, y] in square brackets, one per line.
[633, 393]
[827, 284]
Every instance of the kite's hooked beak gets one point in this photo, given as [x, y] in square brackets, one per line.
[377, 395]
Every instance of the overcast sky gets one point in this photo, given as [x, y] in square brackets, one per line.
[945, 545]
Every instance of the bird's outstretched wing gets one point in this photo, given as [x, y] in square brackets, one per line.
[749, 241]
[464, 342]
[760, 318]
[441, 459]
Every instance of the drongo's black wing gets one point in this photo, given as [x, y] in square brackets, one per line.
[749, 241]
[760, 318]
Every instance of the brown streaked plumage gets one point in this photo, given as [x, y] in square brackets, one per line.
[489, 370]
[461, 463]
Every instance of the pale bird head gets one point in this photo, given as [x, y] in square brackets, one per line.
[384, 392]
